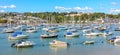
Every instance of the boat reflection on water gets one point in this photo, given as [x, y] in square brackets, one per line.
[91, 36]
[16, 40]
[59, 50]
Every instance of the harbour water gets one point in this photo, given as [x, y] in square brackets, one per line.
[42, 47]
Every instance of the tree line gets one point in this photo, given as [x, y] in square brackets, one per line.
[61, 17]
[64, 16]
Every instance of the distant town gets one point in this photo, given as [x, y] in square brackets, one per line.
[58, 17]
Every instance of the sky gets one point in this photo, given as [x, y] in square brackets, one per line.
[106, 6]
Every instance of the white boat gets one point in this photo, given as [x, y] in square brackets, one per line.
[62, 28]
[101, 28]
[117, 42]
[92, 34]
[31, 30]
[117, 29]
[86, 30]
[57, 43]
[45, 29]
[8, 30]
[88, 42]
[21, 44]
[72, 33]
[17, 27]
[106, 33]
[50, 35]
[52, 29]
[17, 35]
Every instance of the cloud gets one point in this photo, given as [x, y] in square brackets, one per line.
[62, 8]
[73, 9]
[2, 10]
[84, 8]
[114, 10]
[114, 3]
[12, 6]
[9, 6]
[77, 8]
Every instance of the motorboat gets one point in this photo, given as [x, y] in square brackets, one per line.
[117, 41]
[86, 30]
[92, 34]
[17, 27]
[50, 35]
[114, 40]
[107, 33]
[23, 44]
[17, 35]
[117, 29]
[45, 29]
[72, 33]
[88, 42]
[101, 28]
[8, 30]
[31, 30]
[57, 43]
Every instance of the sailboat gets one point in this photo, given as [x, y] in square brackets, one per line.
[23, 44]
[72, 32]
[31, 30]
[58, 43]
[8, 30]
[17, 35]
[50, 35]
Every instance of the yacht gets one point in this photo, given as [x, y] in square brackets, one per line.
[57, 43]
[17, 35]
[71, 33]
[21, 44]
[50, 35]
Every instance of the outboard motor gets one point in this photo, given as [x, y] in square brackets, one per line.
[13, 45]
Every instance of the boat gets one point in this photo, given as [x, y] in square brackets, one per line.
[101, 28]
[17, 27]
[31, 30]
[107, 33]
[72, 33]
[8, 30]
[45, 29]
[22, 44]
[114, 39]
[50, 35]
[86, 30]
[17, 35]
[117, 29]
[52, 29]
[88, 42]
[92, 34]
[57, 43]
[62, 28]
[117, 42]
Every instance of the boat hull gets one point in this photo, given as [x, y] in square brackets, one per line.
[43, 36]
[18, 37]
